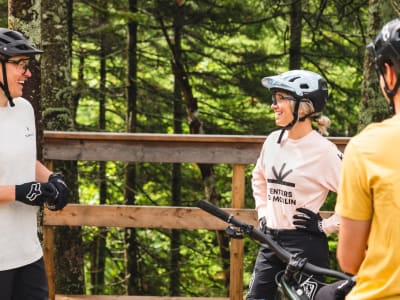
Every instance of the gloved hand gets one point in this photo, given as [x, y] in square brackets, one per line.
[35, 193]
[262, 224]
[61, 200]
[308, 220]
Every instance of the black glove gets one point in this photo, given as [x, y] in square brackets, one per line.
[35, 193]
[262, 224]
[308, 220]
[61, 200]
[344, 288]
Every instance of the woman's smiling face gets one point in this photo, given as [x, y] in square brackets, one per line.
[283, 108]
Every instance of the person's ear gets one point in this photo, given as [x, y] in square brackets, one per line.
[390, 76]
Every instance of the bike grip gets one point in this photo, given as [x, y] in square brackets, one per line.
[212, 209]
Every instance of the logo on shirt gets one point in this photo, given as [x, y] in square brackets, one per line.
[340, 155]
[282, 195]
[28, 131]
[281, 176]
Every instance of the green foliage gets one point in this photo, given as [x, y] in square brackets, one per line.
[3, 13]
[57, 118]
[227, 47]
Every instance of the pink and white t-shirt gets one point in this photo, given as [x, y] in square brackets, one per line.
[295, 173]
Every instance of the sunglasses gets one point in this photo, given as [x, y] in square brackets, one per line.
[22, 64]
[278, 98]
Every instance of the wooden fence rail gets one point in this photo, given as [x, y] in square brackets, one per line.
[238, 151]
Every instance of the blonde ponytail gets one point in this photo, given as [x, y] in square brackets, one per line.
[323, 124]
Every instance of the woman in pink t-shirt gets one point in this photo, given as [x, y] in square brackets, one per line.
[294, 173]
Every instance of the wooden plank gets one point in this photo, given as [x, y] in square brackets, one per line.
[157, 137]
[141, 217]
[104, 297]
[144, 217]
[340, 142]
[165, 148]
[161, 148]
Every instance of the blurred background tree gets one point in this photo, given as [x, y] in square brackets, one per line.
[183, 67]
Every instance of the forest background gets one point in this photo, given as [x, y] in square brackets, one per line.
[181, 67]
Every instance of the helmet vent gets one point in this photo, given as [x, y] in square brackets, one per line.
[304, 86]
[3, 41]
[23, 47]
[13, 35]
[294, 78]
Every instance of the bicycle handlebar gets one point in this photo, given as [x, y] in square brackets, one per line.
[282, 253]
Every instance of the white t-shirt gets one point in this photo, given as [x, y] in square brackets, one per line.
[19, 243]
[292, 174]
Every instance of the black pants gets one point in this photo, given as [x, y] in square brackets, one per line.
[25, 283]
[312, 246]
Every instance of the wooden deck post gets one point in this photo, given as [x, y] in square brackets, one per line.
[48, 246]
[237, 249]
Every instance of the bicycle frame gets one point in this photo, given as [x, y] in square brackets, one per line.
[290, 285]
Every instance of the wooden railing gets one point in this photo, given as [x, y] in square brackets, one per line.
[239, 151]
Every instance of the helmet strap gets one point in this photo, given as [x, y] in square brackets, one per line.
[4, 85]
[294, 121]
[303, 118]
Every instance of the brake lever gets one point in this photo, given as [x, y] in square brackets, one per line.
[234, 232]
[294, 266]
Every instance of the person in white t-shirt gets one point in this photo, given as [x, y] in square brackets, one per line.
[25, 183]
[294, 173]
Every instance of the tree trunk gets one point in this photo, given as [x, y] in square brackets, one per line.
[57, 115]
[374, 107]
[295, 35]
[174, 278]
[132, 274]
[29, 25]
[99, 259]
[196, 127]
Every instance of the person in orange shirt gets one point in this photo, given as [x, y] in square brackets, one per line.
[369, 195]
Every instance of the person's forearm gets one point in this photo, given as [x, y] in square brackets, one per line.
[352, 244]
[7, 193]
[42, 173]
[331, 224]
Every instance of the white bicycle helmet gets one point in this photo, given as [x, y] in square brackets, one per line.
[301, 84]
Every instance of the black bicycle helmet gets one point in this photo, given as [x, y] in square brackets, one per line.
[386, 49]
[13, 43]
